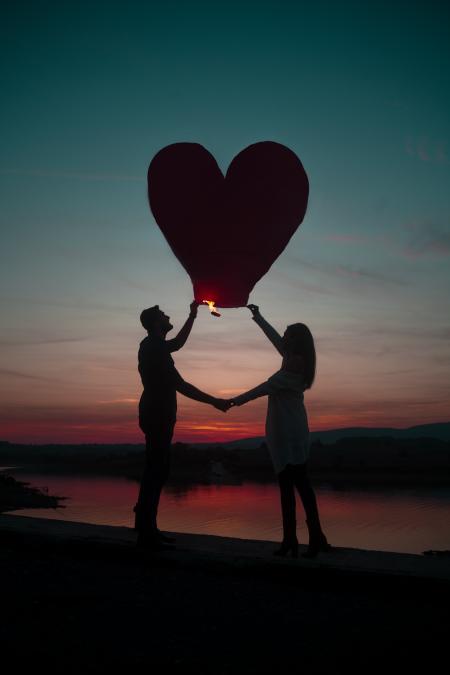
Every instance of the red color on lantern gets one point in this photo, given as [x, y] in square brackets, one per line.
[227, 231]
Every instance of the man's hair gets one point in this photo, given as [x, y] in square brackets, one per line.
[150, 316]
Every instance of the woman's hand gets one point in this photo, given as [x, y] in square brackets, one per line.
[221, 404]
[254, 309]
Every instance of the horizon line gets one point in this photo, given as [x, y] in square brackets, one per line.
[244, 438]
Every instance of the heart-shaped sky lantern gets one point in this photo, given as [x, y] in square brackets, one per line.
[227, 231]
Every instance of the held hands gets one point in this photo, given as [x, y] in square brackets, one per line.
[223, 404]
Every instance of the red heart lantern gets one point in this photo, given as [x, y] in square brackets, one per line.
[227, 231]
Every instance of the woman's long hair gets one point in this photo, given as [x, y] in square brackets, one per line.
[300, 342]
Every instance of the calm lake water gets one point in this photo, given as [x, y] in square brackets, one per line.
[408, 520]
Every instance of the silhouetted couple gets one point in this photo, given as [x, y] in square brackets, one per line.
[287, 432]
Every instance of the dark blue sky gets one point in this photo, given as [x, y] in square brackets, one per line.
[92, 90]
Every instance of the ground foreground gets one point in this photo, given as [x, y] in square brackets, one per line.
[83, 603]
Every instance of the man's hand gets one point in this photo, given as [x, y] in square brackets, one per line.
[254, 309]
[194, 308]
[221, 404]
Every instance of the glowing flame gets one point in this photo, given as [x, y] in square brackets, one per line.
[211, 305]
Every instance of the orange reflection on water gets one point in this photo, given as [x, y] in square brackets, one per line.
[375, 518]
[408, 520]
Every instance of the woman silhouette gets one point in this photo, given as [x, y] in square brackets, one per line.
[287, 431]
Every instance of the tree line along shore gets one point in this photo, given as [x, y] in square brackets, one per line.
[384, 459]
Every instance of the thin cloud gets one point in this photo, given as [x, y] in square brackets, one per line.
[354, 272]
[346, 238]
[221, 343]
[32, 343]
[68, 415]
[4, 372]
[427, 240]
[119, 401]
[81, 304]
[440, 333]
[349, 272]
[44, 173]
[225, 392]
[427, 150]
[304, 285]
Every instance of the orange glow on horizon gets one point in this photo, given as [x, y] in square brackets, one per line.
[126, 431]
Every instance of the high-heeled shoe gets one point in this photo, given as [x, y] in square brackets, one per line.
[317, 544]
[286, 547]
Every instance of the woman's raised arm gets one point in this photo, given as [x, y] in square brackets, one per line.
[267, 329]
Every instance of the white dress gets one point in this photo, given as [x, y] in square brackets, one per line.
[287, 431]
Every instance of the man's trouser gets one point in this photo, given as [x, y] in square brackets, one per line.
[158, 439]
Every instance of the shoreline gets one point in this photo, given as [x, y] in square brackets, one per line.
[16, 495]
[207, 549]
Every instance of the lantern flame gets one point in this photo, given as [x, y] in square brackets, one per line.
[212, 308]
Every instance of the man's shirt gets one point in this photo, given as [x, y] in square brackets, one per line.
[159, 377]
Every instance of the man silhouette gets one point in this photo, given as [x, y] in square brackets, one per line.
[157, 414]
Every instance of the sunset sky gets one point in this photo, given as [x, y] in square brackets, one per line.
[92, 90]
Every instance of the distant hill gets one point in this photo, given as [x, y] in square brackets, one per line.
[438, 430]
[17, 452]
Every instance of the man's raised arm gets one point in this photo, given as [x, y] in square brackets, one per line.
[179, 340]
